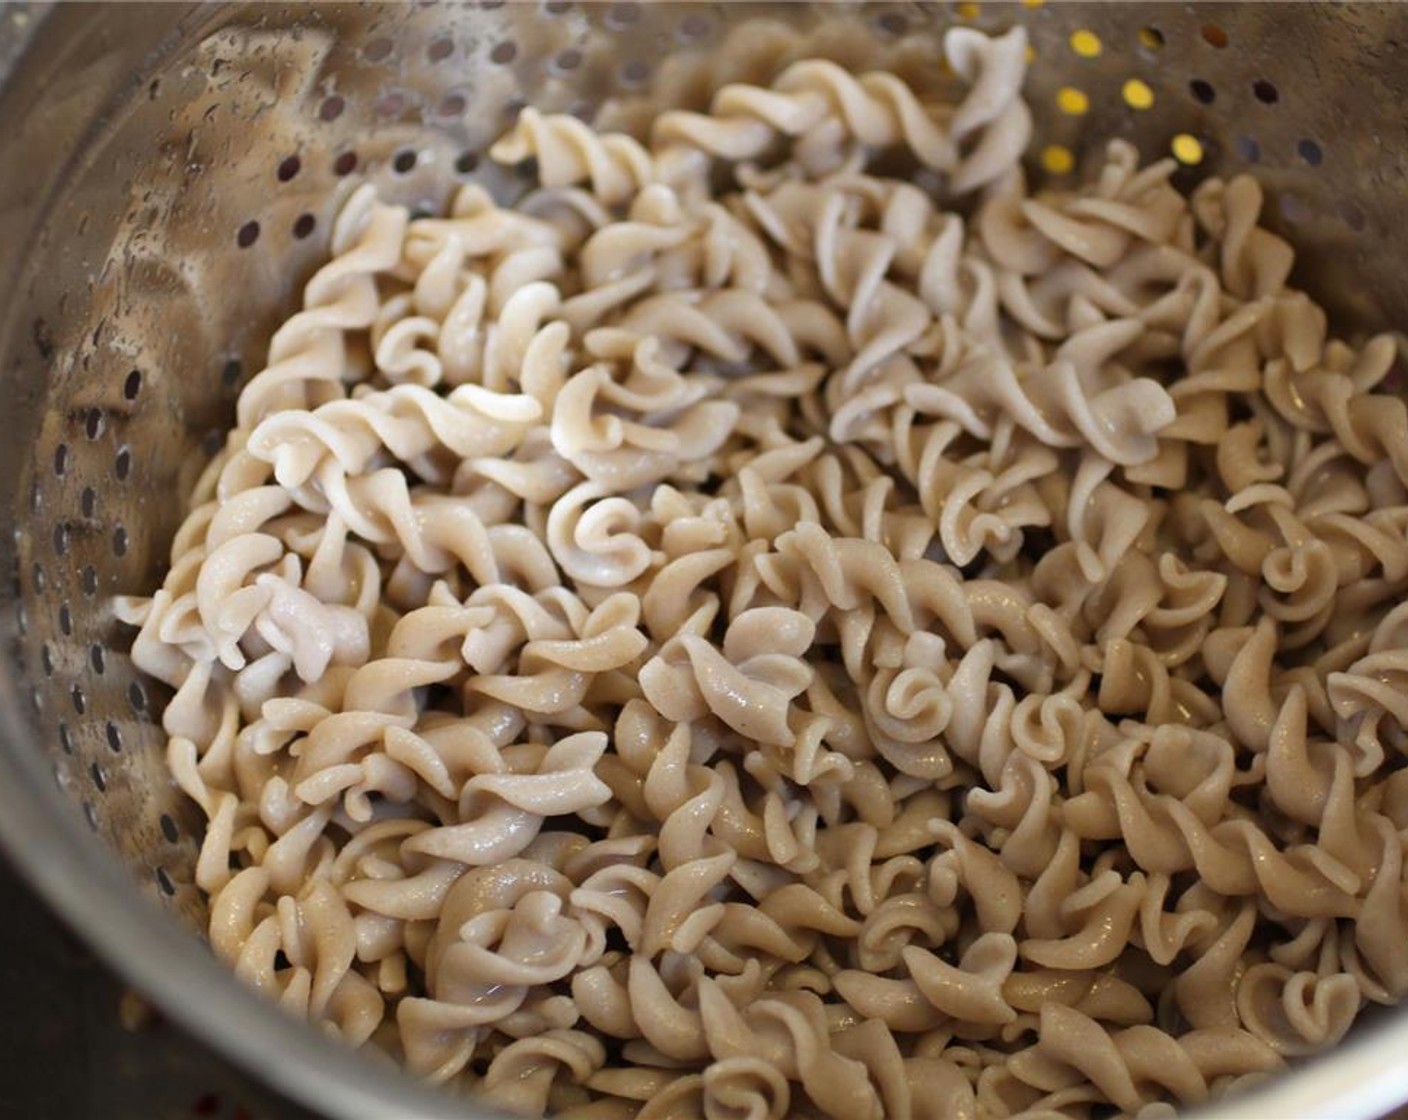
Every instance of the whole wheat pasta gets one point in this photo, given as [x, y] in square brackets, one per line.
[739, 634]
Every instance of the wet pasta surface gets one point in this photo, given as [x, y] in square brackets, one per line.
[786, 620]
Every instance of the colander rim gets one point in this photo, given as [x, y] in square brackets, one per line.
[87, 886]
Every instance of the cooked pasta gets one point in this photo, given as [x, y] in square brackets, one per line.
[740, 634]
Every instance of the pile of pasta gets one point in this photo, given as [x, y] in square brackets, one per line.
[785, 620]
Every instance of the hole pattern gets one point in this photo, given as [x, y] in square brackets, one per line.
[114, 736]
[1265, 92]
[635, 72]
[694, 26]
[1151, 38]
[132, 386]
[1187, 149]
[1086, 43]
[248, 234]
[391, 104]
[304, 226]
[1248, 149]
[288, 168]
[1057, 160]
[504, 53]
[1202, 91]
[404, 161]
[1137, 94]
[891, 24]
[169, 829]
[622, 15]
[1072, 102]
[566, 61]
[345, 164]
[1214, 36]
[1310, 151]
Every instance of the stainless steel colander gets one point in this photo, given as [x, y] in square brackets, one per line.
[170, 175]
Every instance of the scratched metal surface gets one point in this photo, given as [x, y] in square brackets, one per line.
[149, 135]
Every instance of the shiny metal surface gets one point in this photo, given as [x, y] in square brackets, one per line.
[172, 159]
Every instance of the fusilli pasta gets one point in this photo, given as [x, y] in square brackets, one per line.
[741, 634]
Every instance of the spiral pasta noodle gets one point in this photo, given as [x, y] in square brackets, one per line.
[740, 634]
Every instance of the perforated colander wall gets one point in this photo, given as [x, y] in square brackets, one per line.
[182, 168]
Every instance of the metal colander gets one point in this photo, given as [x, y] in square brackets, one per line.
[172, 174]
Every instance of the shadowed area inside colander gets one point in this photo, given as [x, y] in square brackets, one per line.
[187, 165]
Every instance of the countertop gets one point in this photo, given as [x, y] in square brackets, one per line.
[76, 1045]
